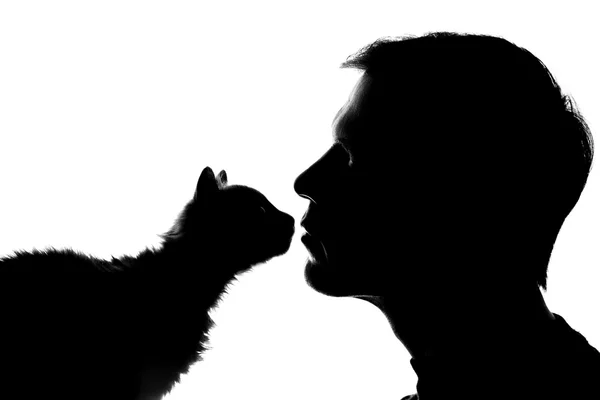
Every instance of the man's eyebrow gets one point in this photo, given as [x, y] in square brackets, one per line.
[338, 127]
[340, 138]
[343, 140]
[336, 116]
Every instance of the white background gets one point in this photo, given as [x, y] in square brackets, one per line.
[109, 111]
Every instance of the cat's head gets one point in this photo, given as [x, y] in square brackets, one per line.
[237, 221]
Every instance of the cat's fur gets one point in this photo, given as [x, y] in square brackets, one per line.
[77, 327]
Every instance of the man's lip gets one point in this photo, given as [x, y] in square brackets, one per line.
[314, 245]
[309, 226]
[307, 237]
[303, 223]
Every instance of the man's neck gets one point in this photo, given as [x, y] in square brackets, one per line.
[491, 354]
[466, 327]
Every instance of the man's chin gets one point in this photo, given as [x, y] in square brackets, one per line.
[329, 280]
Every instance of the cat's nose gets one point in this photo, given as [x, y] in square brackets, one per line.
[289, 220]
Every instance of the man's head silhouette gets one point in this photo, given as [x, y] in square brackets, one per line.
[455, 161]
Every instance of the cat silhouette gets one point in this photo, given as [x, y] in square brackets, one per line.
[79, 327]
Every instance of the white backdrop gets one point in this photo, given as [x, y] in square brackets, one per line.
[109, 111]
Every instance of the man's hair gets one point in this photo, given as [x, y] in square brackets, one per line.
[479, 111]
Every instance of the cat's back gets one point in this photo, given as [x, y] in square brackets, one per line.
[53, 262]
[55, 284]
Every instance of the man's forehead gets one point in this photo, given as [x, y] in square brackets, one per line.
[350, 110]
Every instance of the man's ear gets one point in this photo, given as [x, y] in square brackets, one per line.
[222, 178]
[207, 184]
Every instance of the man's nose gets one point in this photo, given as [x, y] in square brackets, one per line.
[314, 181]
[302, 184]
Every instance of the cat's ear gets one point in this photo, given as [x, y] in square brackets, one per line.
[222, 177]
[207, 183]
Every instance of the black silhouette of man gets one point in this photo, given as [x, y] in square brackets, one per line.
[456, 159]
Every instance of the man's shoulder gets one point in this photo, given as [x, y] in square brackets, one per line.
[574, 346]
[579, 360]
[565, 366]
